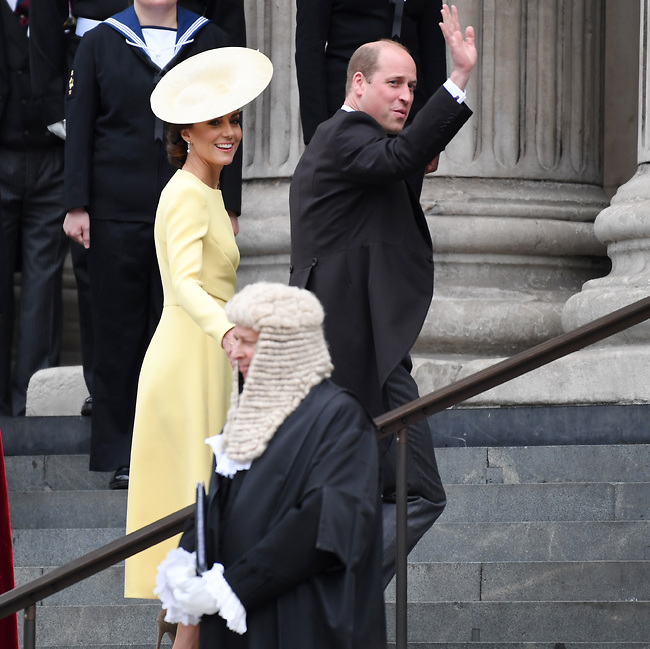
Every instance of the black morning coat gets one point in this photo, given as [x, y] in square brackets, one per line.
[116, 164]
[360, 241]
[299, 534]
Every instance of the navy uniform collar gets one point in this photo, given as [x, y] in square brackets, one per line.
[126, 22]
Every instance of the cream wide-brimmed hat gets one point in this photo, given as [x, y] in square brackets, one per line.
[211, 84]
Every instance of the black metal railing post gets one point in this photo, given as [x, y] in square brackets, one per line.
[401, 542]
[29, 628]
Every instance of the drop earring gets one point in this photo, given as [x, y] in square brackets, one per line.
[188, 146]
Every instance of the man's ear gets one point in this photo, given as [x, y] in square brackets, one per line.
[358, 82]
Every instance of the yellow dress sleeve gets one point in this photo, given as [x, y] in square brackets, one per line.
[186, 218]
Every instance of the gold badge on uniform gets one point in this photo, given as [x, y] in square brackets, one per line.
[71, 82]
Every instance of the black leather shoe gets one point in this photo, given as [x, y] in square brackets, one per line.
[87, 407]
[120, 479]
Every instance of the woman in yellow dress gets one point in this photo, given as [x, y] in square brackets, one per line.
[185, 381]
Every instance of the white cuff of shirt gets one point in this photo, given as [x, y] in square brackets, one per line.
[458, 94]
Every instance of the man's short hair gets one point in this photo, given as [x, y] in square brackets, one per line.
[366, 59]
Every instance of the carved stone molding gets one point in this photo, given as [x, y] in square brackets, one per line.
[624, 227]
[512, 208]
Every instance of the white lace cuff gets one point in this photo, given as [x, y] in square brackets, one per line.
[187, 597]
[176, 568]
[228, 605]
[226, 466]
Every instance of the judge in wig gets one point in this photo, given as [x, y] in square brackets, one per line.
[293, 524]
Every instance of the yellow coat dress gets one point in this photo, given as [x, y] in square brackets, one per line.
[185, 380]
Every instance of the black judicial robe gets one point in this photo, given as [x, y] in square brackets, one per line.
[299, 534]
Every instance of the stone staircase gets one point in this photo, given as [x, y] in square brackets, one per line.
[539, 548]
[543, 547]
[59, 512]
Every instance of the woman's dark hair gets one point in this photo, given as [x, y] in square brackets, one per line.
[176, 145]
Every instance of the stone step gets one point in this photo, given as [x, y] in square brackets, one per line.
[67, 509]
[514, 465]
[535, 541]
[543, 464]
[484, 622]
[558, 622]
[439, 582]
[53, 473]
[96, 626]
[54, 547]
[466, 503]
[573, 425]
[571, 581]
[104, 588]
[444, 543]
[547, 502]
[45, 435]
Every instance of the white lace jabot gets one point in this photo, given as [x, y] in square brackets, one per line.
[225, 466]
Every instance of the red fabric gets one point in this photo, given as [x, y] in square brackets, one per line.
[8, 626]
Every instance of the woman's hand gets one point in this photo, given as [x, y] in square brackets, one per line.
[77, 226]
[234, 221]
[228, 343]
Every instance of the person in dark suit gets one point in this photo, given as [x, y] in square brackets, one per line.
[72, 16]
[116, 167]
[329, 31]
[31, 196]
[360, 242]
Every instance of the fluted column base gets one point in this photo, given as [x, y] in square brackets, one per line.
[507, 256]
[625, 227]
[612, 375]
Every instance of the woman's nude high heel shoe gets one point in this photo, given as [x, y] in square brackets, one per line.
[164, 627]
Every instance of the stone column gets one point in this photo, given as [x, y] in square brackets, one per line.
[614, 371]
[272, 147]
[618, 366]
[512, 208]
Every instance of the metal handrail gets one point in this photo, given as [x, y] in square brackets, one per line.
[93, 562]
[513, 367]
[395, 421]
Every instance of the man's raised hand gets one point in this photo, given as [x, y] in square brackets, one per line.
[461, 48]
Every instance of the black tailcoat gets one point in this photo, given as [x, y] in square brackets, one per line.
[359, 239]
